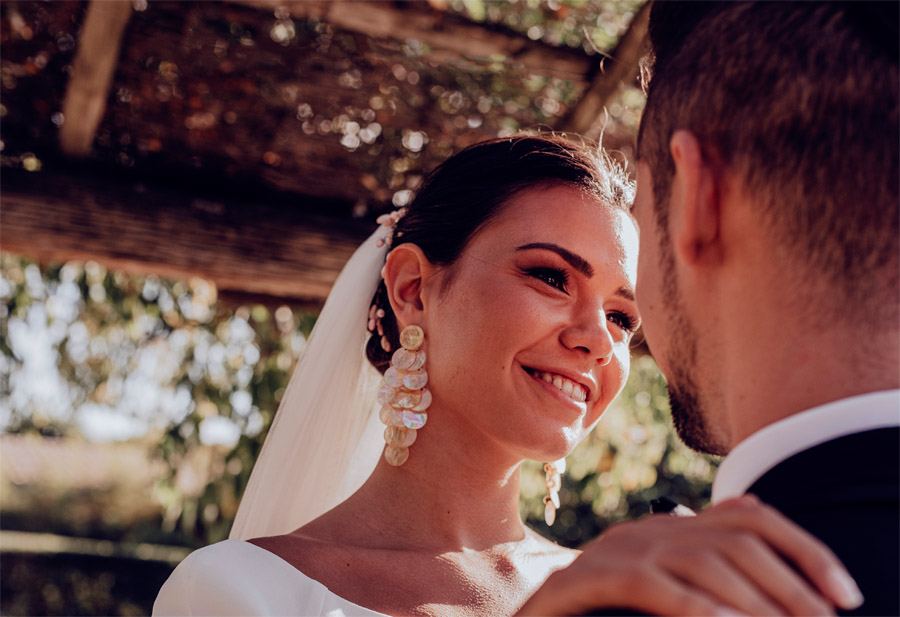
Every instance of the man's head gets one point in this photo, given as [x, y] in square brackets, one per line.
[791, 112]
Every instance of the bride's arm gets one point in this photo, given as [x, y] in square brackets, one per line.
[726, 561]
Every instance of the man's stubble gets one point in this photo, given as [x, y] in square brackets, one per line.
[689, 415]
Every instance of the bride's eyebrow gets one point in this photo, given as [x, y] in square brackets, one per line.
[626, 292]
[576, 261]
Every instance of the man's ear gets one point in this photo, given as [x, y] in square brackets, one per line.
[405, 272]
[695, 217]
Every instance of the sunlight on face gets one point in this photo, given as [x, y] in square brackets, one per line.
[649, 292]
[530, 343]
[671, 335]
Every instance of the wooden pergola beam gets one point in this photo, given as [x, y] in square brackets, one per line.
[586, 116]
[444, 33]
[253, 249]
[92, 74]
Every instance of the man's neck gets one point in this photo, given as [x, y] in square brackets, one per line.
[772, 380]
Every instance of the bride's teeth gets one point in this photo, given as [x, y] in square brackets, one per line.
[567, 386]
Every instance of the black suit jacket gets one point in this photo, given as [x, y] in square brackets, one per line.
[846, 492]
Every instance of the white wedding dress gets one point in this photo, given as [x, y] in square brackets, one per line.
[234, 577]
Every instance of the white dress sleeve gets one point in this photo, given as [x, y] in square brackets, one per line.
[234, 577]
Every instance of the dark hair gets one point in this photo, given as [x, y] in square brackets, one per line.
[468, 189]
[801, 99]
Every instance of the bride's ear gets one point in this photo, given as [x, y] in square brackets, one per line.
[406, 271]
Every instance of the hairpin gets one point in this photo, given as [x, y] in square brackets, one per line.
[390, 221]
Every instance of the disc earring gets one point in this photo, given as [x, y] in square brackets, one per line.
[403, 396]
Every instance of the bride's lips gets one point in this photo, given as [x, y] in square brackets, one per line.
[533, 375]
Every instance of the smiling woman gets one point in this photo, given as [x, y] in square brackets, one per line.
[517, 260]
[542, 238]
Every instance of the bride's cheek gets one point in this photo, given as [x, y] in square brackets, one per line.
[534, 311]
[619, 370]
[614, 376]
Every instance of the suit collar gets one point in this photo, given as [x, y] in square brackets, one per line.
[774, 443]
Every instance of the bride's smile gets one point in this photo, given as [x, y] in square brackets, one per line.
[573, 390]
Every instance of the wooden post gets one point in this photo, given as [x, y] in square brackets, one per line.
[585, 117]
[92, 73]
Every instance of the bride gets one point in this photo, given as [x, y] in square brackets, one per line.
[499, 310]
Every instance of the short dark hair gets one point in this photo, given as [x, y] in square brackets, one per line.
[801, 99]
[471, 187]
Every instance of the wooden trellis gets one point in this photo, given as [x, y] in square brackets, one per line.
[184, 146]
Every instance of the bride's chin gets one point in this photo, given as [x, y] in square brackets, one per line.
[555, 445]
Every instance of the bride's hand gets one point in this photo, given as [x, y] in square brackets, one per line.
[725, 561]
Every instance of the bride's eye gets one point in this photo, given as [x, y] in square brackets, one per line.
[557, 279]
[625, 321]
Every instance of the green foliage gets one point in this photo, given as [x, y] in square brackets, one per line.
[87, 350]
[203, 381]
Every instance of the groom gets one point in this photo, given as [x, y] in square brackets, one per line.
[768, 281]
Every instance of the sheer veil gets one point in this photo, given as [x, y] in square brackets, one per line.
[325, 439]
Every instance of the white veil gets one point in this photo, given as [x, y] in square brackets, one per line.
[326, 438]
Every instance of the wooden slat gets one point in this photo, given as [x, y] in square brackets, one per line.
[54, 544]
[92, 73]
[444, 33]
[250, 248]
[586, 117]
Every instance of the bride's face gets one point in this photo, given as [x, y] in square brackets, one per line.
[528, 342]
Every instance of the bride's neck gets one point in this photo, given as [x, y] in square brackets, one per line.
[458, 489]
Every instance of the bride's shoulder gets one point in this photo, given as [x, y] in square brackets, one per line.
[246, 560]
[226, 558]
[231, 577]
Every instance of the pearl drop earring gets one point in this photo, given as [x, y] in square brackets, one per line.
[553, 482]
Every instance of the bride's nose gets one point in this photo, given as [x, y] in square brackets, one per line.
[590, 335]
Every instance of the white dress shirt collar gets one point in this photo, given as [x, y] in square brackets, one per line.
[770, 445]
